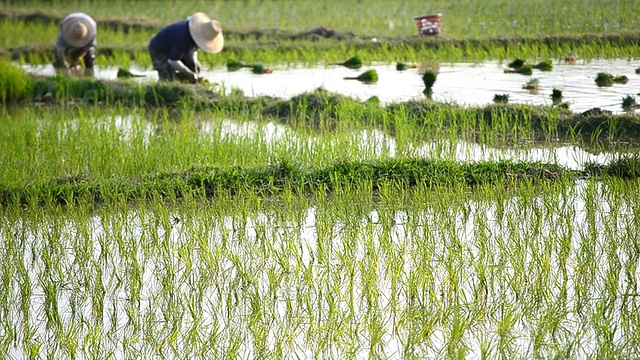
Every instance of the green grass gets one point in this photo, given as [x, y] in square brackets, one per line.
[15, 84]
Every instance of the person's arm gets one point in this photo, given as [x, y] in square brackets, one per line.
[61, 61]
[182, 68]
[89, 57]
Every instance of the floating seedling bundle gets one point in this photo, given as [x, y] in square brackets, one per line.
[369, 76]
[352, 63]
[607, 79]
[404, 66]
[234, 65]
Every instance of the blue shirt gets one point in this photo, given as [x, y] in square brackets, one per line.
[175, 42]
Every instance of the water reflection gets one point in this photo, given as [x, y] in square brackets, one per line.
[468, 84]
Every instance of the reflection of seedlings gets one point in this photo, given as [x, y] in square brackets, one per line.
[531, 84]
[429, 78]
[543, 65]
[403, 66]
[501, 98]
[556, 95]
[352, 63]
[260, 69]
[369, 76]
[125, 74]
[629, 102]
[516, 64]
[524, 70]
[604, 79]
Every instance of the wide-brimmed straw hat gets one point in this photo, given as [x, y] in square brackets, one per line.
[78, 31]
[207, 33]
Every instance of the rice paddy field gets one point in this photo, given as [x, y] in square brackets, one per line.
[301, 215]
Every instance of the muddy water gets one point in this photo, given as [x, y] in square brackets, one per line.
[467, 84]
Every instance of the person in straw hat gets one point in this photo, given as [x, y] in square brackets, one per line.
[76, 41]
[174, 49]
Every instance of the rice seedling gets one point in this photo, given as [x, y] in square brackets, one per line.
[501, 98]
[523, 70]
[368, 77]
[260, 69]
[543, 65]
[353, 62]
[629, 102]
[607, 79]
[400, 66]
[429, 79]
[516, 64]
[126, 74]
[621, 79]
[531, 84]
[233, 65]
[604, 79]
[556, 95]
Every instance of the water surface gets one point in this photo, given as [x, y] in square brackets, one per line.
[463, 83]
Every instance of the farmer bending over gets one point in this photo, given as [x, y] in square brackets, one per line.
[76, 42]
[174, 49]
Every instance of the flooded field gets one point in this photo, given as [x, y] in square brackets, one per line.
[463, 83]
[148, 220]
[382, 280]
[368, 269]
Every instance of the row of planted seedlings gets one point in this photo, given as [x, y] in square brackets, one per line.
[368, 262]
[482, 18]
[602, 79]
[524, 270]
[91, 148]
[120, 43]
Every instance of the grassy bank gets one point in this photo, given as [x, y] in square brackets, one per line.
[323, 110]
[69, 154]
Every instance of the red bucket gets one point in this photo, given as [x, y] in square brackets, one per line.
[429, 24]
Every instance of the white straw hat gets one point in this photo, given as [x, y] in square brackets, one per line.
[78, 31]
[207, 33]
